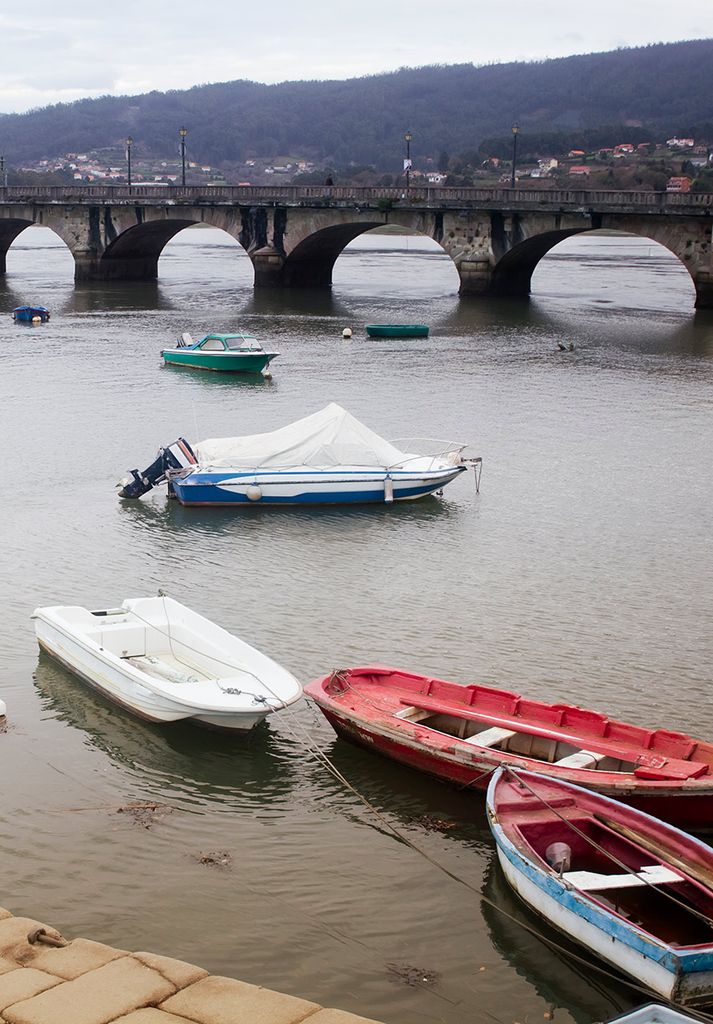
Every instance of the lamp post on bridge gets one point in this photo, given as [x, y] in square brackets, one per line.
[407, 162]
[129, 144]
[183, 132]
[515, 133]
[3, 172]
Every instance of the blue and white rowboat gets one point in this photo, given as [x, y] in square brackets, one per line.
[628, 887]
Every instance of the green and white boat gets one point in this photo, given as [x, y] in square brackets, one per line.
[232, 353]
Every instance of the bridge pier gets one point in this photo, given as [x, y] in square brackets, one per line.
[703, 282]
[90, 267]
[273, 270]
[475, 277]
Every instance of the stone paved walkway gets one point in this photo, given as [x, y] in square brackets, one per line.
[85, 982]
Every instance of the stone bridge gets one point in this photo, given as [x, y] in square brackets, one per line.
[293, 235]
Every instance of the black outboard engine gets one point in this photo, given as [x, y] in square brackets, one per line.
[172, 459]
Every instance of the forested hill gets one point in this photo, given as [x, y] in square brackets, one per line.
[664, 87]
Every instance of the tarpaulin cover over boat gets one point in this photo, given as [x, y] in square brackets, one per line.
[331, 437]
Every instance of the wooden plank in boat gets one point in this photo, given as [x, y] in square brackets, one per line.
[659, 766]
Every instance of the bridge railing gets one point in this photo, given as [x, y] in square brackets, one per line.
[438, 196]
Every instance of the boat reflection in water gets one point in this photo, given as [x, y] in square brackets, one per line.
[560, 980]
[175, 760]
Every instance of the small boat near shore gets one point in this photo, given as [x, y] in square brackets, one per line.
[224, 353]
[397, 330]
[328, 458]
[631, 889]
[461, 734]
[31, 314]
[166, 663]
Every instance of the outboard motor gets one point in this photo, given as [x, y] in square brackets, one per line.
[559, 857]
[172, 459]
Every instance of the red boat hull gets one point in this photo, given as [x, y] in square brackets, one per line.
[369, 722]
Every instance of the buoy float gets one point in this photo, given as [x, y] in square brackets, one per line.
[388, 490]
[347, 332]
[254, 492]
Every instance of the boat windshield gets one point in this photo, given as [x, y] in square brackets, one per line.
[234, 341]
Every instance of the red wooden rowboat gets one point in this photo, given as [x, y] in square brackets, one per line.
[462, 733]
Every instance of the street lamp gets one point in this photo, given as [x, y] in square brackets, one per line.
[515, 132]
[129, 144]
[183, 132]
[407, 162]
[3, 173]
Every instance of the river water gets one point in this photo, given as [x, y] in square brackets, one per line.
[581, 572]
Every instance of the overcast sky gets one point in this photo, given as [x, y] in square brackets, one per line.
[52, 52]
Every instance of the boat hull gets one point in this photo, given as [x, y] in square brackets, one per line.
[104, 674]
[372, 724]
[222, 362]
[225, 488]
[397, 330]
[692, 811]
[31, 315]
[682, 974]
[138, 704]
[609, 947]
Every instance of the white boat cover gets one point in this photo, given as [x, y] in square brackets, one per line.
[331, 437]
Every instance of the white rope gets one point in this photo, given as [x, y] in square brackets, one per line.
[258, 697]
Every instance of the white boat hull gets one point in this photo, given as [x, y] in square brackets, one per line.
[210, 701]
[619, 955]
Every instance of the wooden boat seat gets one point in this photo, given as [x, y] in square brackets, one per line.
[490, 737]
[580, 759]
[592, 881]
[649, 765]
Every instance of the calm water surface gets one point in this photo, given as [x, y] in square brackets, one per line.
[581, 572]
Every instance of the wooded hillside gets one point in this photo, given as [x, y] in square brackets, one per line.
[665, 87]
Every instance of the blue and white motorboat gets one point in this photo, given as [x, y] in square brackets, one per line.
[326, 458]
[630, 888]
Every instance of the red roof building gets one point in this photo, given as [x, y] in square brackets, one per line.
[678, 185]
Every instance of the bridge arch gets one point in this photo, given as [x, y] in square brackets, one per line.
[304, 249]
[511, 274]
[12, 227]
[311, 262]
[132, 250]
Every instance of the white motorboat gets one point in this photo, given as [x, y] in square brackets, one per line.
[164, 662]
[328, 458]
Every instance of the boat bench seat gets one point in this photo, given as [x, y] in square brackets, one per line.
[652, 874]
[125, 640]
[580, 759]
[490, 737]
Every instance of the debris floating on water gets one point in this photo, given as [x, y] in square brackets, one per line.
[412, 976]
[434, 824]
[215, 859]
[145, 814]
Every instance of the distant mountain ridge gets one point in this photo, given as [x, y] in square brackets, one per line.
[665, 87]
